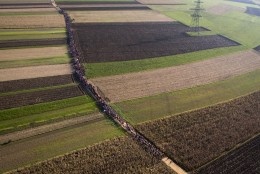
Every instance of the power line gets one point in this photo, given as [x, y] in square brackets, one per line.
[196, 15]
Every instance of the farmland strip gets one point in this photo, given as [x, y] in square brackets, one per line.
[34, 42]
[23, 99]
[103, 105]
[105, 8]
[124, 87]
[253, 11]
[34, 72]
[244, 159]
[25, 84]
[48, 128]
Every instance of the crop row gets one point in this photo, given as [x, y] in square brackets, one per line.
[197, 137]
[30, 98]
[121, 155]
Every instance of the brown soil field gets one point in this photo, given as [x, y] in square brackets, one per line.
[135, 85]
[223, 9]
[48, 128]
[34, 42]
[118, 16]
[195, 138]
[51, 21]
[24, 84]
[105, 8]
[27, 10]
[243, 160]
[140, 40]
[32, 53]
[160, 2]
[34, 72]
[121, 155]
[31, 98]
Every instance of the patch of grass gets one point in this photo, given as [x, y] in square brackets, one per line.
[44, 108]
[166, 104]
[237, 26]
[56, 143]
[113, 68]
[95, 1]
[34, 62]
[28, 13]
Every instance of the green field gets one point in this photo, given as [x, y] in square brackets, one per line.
[21, 117]
[43, 33]
[56, 143]
[167, 104]
[113, 68]
[95, 0]
[34, 62]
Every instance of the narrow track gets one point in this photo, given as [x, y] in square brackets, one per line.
[103, 105]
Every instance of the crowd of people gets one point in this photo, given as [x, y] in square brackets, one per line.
[91, 89]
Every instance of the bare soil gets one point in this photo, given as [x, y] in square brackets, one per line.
[118, 16]
[31, 98]
[124, 87]
[34, 42]
[221, 9]
[105, 8]
[192, 139]
[32, 53]
[243, 160]
[34, 72]
[253, 11]
[27, 10]
[133, 41]
[32, 21]
[24, 84]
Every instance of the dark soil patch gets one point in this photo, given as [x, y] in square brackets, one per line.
[253, 11]
[17, 85]
[244, 1]
[121, 42]
[24, 4]
[243, 160]
[195, 138]
[30, 98]
[34, 42]
[105, 8]
[257, 48]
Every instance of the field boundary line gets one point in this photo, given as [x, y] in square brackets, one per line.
[173, 166]
[18, 135]
[104, 107]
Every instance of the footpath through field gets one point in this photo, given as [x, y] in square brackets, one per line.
[103, 105]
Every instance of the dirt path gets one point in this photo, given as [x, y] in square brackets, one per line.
[48, 128]
[123, 87]
[32, 53]
[34, 72]
[173, 166]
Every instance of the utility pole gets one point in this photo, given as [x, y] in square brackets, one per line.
[196, 15]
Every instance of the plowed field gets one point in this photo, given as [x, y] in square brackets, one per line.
[135, 85]
[34, 72]
[120, 42]
[17, 85]
[30, 98]
[195, 138]
[243, 160]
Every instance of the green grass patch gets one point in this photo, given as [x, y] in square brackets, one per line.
[42, 108]
[34, 62]
[95, 0]
[237, 26]
[167, 104]
[114, 68]
[43, 147]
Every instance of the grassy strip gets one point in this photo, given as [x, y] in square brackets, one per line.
[9, 32]
[95, 1]
[114, 68]
[56, 143]
[32, 36]
[28, 13]
[68, 112]
[34, 62]
[202, 33]
[25, 111]
[36, 89]
[159, 106]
